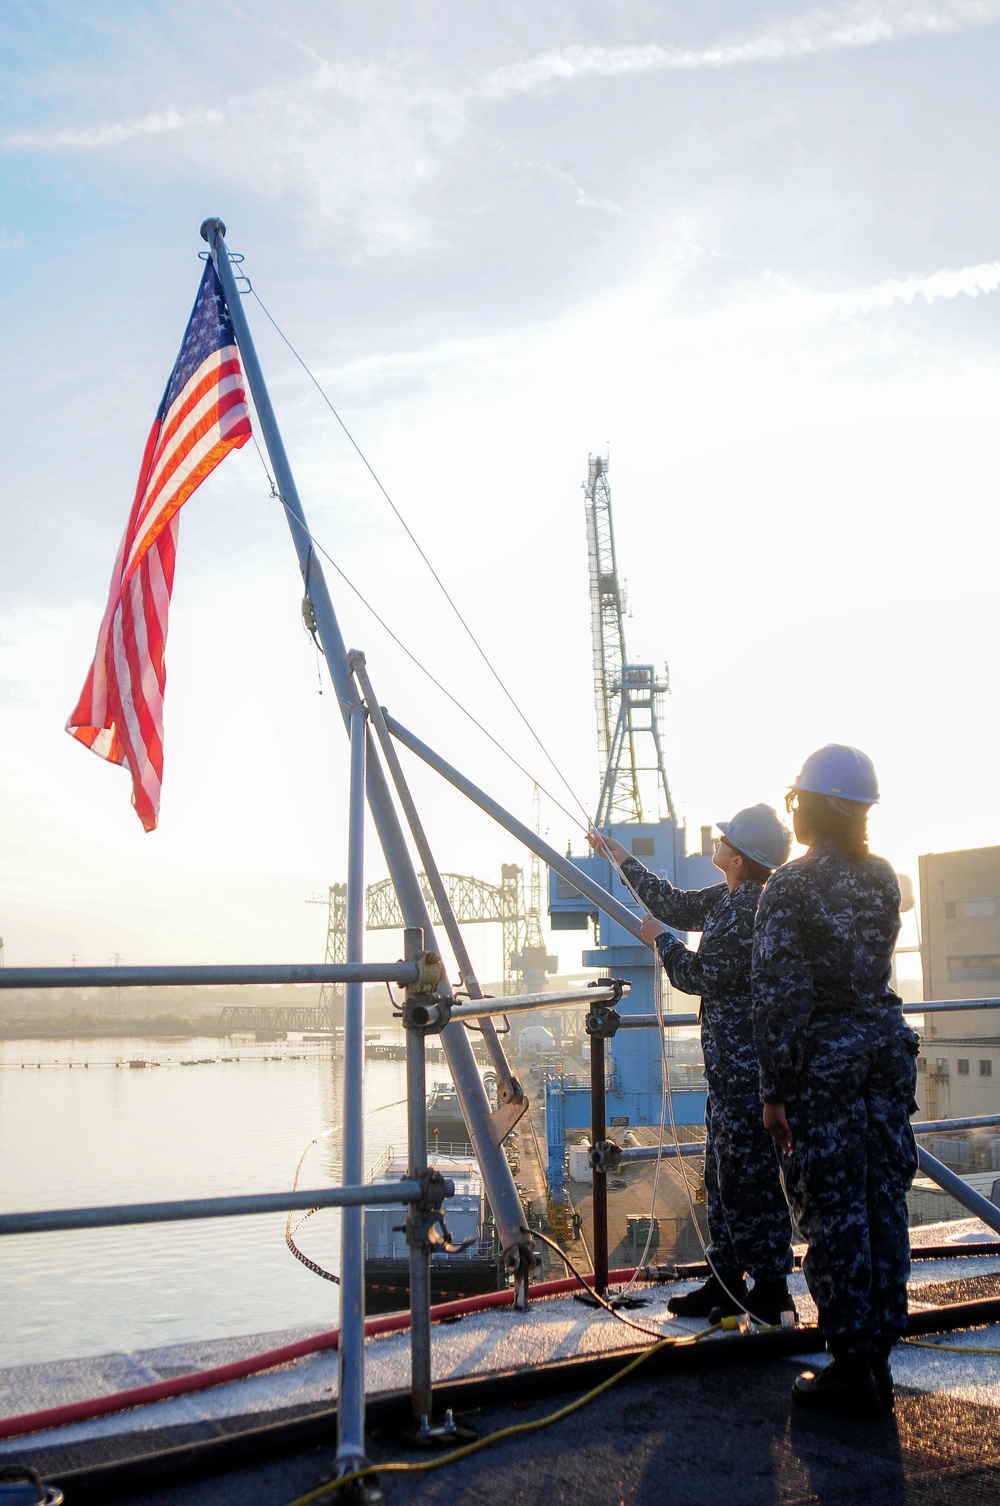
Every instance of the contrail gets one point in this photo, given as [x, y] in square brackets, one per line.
[827, 29]
[108, 133]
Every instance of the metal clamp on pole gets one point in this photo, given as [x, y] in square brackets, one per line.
[603, 1020]
[424, 1009]
[605, 1156]
[425, 1227]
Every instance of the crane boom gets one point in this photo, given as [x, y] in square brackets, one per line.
[629, 697]
[608, 633]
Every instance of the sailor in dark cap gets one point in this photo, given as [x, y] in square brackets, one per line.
[748, 1218]
[838, 1074]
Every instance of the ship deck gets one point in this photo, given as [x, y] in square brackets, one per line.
[723, 1430]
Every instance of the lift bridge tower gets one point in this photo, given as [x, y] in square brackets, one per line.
[636, 808]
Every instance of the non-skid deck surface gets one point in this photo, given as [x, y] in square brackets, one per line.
[651, 1438]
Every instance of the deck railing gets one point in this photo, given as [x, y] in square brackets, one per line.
[605, 1155]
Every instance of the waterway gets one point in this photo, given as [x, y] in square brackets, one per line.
[79, 1126]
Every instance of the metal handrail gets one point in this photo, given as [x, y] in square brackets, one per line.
[184, 976]
[48, 1220]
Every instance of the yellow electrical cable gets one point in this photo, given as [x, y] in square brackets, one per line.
[516, 1430]
[949, 1348]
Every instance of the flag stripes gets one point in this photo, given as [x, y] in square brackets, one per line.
[202, 417]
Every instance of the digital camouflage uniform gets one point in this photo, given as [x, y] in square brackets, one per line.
[835, 1050]
[747, 1214]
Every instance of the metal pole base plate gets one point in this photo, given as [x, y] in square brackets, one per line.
[365, 1492]
[589, 1300]
[446, 1434]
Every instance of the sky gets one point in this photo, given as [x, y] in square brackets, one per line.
[750, 251]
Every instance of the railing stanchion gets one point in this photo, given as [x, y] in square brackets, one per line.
[351, 1356]
[420, 1261]
[599, 1179]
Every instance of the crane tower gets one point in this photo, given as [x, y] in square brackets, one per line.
[629, 697]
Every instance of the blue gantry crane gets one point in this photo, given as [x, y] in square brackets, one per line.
[637, 809]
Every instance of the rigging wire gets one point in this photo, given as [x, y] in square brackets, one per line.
[315, 544]
[409, 532]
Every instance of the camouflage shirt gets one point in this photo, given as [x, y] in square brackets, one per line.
[720, 968]
[823, 945]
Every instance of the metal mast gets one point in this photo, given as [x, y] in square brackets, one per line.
[629, 696]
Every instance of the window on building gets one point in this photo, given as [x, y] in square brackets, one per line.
[973, 969]
[985, 1067]
[984, 905]
[949, 909]
[643, 847]
[963, 1066]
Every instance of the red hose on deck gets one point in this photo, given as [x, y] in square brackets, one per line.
[201, 1380]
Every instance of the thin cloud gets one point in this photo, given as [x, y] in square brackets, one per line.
[407, 84]
[583, 197]
[777, 316]
[109, 133]
[822, 30]
[983, 278]
[791, 309]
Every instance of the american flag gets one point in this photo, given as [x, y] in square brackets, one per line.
[202, 417]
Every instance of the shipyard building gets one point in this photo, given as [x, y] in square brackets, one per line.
[960, 956]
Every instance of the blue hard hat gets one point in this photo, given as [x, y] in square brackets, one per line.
[757, 832]
[840, 771]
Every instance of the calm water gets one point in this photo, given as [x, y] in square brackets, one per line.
[107, 1134]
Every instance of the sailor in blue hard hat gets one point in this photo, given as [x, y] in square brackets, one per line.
[747, 1214]
[838, 1075]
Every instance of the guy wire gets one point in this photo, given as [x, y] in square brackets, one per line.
[409, 532]
[315, 543]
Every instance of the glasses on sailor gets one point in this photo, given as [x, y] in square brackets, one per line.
[792, 801]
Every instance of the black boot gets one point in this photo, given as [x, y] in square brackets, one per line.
[769, 1299]
[846, 1388]
[882, 1371]
[711, 1297]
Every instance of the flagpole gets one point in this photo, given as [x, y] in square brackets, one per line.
[515, 1240]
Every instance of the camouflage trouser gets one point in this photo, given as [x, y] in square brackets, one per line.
[854, 1157]
[747, 1212]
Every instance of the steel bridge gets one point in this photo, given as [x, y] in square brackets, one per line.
[474, 901]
